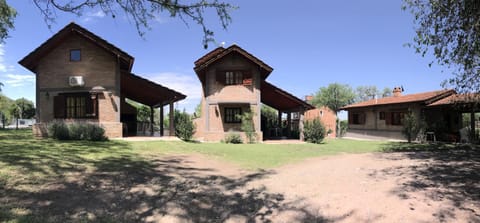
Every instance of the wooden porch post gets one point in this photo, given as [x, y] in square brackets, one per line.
[171, 120]
[300, 125]
[289, 124]
[279, 118]
[151, 120]
[161, 119]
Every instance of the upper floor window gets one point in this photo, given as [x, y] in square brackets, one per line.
[75, 55]
[233, 77]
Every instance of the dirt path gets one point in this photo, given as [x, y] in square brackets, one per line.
[368, 188]
[386, 187]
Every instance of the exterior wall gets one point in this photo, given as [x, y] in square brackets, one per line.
[374, 126]
[98, 68]
[326, 115]
[217, 96]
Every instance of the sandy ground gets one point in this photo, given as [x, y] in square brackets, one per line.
[376, 187]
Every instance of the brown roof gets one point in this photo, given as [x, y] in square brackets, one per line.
[425, 97]
[279, 99]
[31, 60]
[457, 99]
[147, 92]
[218, 53]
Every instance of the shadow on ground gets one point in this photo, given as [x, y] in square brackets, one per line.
[445, 172]
[106, 182]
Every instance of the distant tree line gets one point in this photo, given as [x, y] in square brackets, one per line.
[15, 109]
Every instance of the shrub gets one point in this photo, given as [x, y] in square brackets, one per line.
[184, 127]
[76, 131]
[343, 128]
[411, 126]
[58, 130]
[233, 138]
[248, 126]
[94, 133]
[314, 131]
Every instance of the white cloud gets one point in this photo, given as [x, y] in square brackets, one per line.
[186, 84]
[90, 16]
[18, 80]
[3, 66]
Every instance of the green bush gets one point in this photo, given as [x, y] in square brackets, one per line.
[95, 133]
[411, 126]
[343, 128]
[184, 126]
[76, 131]
[233, 138]
[314, 131]
[58, 130]
[248, 126]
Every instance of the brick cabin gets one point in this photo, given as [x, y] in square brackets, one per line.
[234, 82]
[80, 77]
[383, 117]
[325, 114]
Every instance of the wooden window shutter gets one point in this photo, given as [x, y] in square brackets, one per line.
[350, 118]
[59, 106]
[363, 118]
[221, 76]
[388, 118]
[89, 105]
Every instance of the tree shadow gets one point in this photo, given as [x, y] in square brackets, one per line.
[122, 186]
[445, 172]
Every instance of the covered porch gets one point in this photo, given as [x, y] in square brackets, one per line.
[290, 113]
[455, 118]
[148, 93]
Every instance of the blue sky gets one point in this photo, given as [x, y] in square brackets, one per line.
[308, 43]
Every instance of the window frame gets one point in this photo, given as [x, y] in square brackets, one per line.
[234, 77]
[397, 118]
[359, 118]
[79, 55]
[230, 115]
[79, 108]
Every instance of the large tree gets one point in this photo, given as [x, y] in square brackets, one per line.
[27, 108]
[450, 29]
[334, 96]
[365, 93]
[142, 12]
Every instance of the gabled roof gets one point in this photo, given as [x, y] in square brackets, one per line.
[424, 98]
[456, 99]
[147, 92]
[221, 52]
[31, 60]
[279, 99]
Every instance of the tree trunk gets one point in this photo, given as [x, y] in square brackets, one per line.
[17, 125]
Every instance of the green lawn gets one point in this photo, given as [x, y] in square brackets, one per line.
[255, 156]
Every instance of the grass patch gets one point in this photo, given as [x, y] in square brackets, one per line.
[255, 156]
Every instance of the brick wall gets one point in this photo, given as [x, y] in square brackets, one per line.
[326, 115]
[98, 67]
[211, 125]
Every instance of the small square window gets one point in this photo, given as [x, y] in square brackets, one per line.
[75, 55]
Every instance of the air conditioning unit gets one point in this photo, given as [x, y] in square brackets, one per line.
[76, 81]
